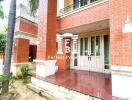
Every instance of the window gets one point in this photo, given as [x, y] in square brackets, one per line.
[86, 46]
[97, 45]
[83, 2]
[106, 49]
[81, 46]
[75, 4]
[91, 1]
[92, 46]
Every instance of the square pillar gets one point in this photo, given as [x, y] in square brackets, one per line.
[120, 48]
[21, 51]
[20, 55]
[64, 57]
[47, 29]
[120, 43]
[46, 50]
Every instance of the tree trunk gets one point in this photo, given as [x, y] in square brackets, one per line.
[9, 45]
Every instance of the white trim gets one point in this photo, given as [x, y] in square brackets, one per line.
[59, 52]
[84, 8]
[22, 32]
[121, 68]
[32, 38]
[20, 63]
[19, 18]
[121, 86]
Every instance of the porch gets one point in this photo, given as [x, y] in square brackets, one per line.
[75, 84]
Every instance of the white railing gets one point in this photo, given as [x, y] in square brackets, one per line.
[77, 5]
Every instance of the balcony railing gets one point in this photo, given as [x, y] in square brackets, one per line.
[76, 6]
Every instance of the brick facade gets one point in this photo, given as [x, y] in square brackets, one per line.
[120, 43]
[87, 16]
[26, 26]
[47, 29]
[63, 60]
[21, 51]
[115, 11]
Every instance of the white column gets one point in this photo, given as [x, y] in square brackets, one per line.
[59, 38]
[75, 47]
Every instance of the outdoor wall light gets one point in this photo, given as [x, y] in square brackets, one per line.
[128, 26]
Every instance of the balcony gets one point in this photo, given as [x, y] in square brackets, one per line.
[78, 5]
[89, 17]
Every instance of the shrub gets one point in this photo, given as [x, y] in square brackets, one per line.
[24, 71]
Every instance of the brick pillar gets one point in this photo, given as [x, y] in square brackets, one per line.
[46, 50]
[120, 43]
[47, 29]
[21, 50]
[20, 55]
[63, 59]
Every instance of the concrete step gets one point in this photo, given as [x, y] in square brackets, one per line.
[41, 92]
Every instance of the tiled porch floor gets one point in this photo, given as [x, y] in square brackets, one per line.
[89, 83]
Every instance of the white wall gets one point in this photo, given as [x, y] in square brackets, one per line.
[23, 10]
[1, 66]
[60, 5]
[122, 86]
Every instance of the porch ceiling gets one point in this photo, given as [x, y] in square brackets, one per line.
[104, 24]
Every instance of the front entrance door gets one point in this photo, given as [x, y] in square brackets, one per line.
[93, 52]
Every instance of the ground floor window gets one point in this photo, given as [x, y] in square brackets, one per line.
[81, 46]
[92, 46]
[86, 46]
[106, 49]
[97, 45]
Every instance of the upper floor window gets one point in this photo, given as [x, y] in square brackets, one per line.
[83, 2]
[76, 4]
[79, 3]
[92, 1]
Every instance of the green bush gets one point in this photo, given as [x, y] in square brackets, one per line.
[24, 71]
[93, 98]
[11, 79]
[126, 99]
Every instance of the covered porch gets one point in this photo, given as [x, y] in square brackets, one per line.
[74, 84]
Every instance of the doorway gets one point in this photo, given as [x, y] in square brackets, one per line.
[93, 52]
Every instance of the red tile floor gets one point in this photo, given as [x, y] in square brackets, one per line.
[89, 83]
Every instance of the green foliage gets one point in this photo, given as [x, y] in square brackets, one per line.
[1, 11]
[12, 78]
[2, 43]
[93, 98]
[24, 71]
[126, 99]
[34, 5]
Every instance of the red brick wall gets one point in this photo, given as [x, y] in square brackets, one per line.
[90, 15]
[21, 50]
[47, 29]
[26, 26]
[120, 43]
